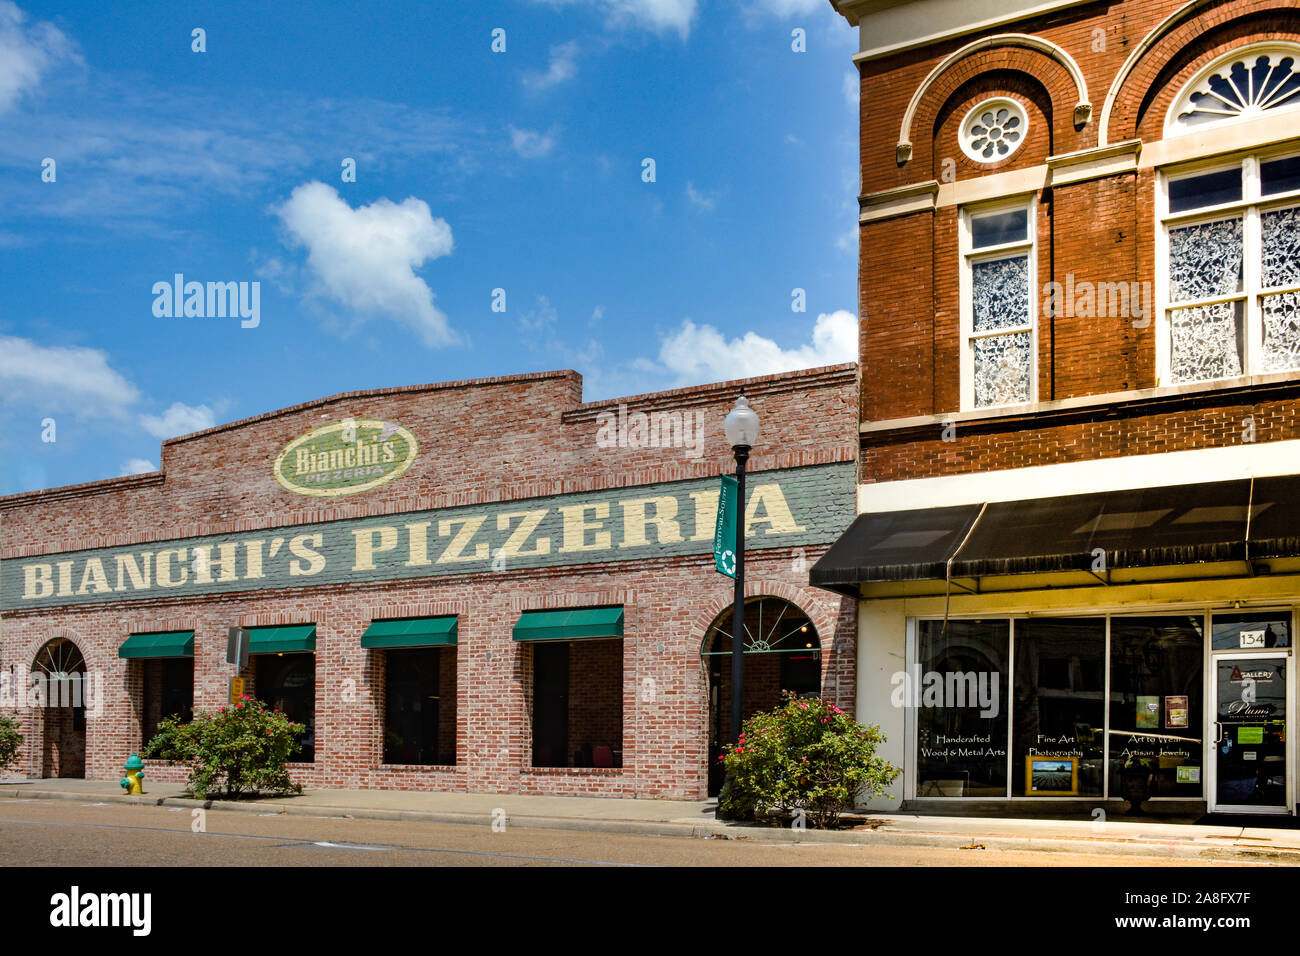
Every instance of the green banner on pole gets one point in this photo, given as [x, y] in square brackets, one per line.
[724, 532]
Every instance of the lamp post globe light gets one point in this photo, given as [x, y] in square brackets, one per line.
[741, 428]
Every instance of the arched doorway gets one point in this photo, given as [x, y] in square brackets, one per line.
[782, 652]
[61, 669]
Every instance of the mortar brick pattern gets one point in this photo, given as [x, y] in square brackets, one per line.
[1098, 230]
[220, 481]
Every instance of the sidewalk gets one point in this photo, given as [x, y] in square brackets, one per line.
[694, 818]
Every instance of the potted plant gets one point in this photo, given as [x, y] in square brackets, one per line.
[1135, 775]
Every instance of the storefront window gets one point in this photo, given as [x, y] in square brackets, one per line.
[168, 691]
[1156, 715]
[1059, 707]
[287, 682]
[960, 695]
[578, 703]
[1251, 631]
[420, 706]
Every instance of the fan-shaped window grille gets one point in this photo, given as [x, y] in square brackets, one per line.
[1243, 84]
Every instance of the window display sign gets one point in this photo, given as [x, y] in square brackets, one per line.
[1175, 712]
[1157, 658]
[962, 735]
[1250, 735]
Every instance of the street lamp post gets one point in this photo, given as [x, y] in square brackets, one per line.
[741, 427]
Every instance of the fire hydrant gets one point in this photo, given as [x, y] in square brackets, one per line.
[133, 782]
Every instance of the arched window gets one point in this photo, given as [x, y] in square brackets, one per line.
[1245, 83]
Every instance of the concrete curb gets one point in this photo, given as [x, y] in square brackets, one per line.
[972, 842]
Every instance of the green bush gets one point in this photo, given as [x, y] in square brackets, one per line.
[10, 741]
[233, 751]
[804, 755]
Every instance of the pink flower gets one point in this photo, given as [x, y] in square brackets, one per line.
[803, 705]
[268, 733]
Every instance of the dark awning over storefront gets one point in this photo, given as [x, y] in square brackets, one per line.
[569, 625]
[411, 632]
[279, 640]
[160, 644]
[1148, 527]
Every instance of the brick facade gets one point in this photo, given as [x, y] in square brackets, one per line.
[1098, 228]
[493, 440]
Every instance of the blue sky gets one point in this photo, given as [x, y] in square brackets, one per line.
[476, 170]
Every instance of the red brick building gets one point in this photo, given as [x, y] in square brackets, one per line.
[1079, 431]
[485, 585]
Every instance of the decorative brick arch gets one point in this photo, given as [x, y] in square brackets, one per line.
[34, 647]
[1171, 53]
[1034, 56]
[34, 720]
[822, 620]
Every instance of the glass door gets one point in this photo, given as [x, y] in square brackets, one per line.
[1251, 703]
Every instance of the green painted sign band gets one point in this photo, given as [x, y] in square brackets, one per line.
[785, 508]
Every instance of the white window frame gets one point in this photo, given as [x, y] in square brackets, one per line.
[971, 256]
[1249, 209]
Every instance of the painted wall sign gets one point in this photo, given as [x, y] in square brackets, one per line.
[786, 508]
[345, 458]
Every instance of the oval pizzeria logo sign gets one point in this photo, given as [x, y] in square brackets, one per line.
[344, 458]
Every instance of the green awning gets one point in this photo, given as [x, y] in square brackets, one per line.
[569, 625]
[161, 644]
[411, 632]
[278, 640]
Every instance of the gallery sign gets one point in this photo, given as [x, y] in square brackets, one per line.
[787, 508]
[345, 458]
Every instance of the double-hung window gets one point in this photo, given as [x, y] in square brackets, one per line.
[1229, 256]
[998, 305]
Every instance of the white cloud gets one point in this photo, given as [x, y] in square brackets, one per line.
[180, 419]
[148, 158]
[788, 8]
[655, 15]
[700, 199]
[137, 466]
[562, 68]
[852, 88]
[700, 353]
[531, 144]
[848, 241]
[539, 322]
[364, 258]
[59, 378]
[28, 51]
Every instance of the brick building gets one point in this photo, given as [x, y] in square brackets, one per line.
[1076, 543]
[485, 585]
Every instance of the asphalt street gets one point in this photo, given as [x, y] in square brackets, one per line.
[64, 833]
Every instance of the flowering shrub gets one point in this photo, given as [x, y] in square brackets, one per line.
[240, 750]
[10, 741]
[804, 755]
